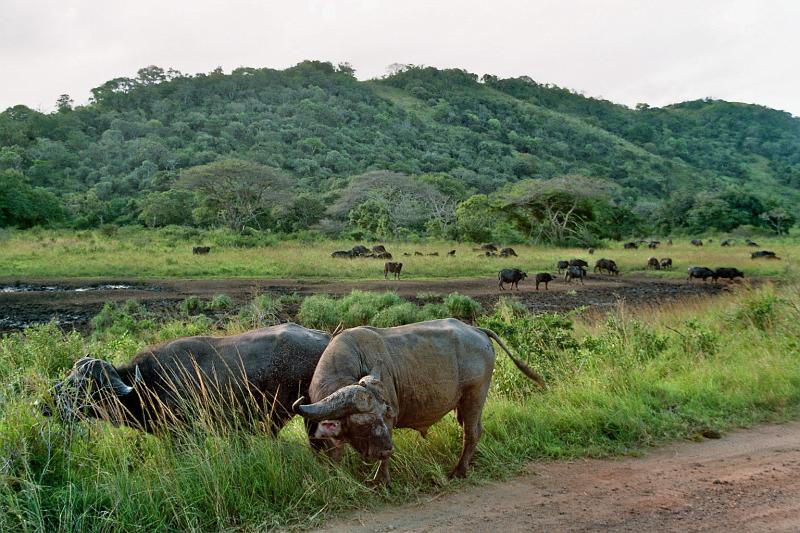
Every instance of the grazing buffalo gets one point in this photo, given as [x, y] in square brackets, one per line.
[575, 272]
[562, 265]
[700, 273]
[451, 253]
[378, 248]
[343, 253]
[543, 277]
[200, 250]
[630, 246]
[751, 243]
[512, 276]
[590, 251]
[653, 264]
[666, 263]
[653, 244]
[727, 273]
[508, 252]
[360, 250]
[697, 242]
[669, 242]
[763, 254]
[606, 264]
[727, 242]
[418, 253]
[243, 378]
[406, 254]
[578, 262]
[370, 381]
[434, 254]
[392, 268]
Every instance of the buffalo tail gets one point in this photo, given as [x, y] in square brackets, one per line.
[524, 368]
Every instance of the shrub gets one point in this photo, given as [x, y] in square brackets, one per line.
[433, 312]
[219, 302]
[428, 296]
[319, 311]
[397, 315]
[192, 304]
[263, 311]
[118, 319]
[463, 307]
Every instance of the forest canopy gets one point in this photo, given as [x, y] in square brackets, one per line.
[422, 152]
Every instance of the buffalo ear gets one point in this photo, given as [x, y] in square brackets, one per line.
[328, 429]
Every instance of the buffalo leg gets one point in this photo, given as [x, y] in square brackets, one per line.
[469, 413]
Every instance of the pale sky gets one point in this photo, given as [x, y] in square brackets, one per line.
[627, 51]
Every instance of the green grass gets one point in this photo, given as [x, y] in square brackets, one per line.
[138, 253]
[616, 386]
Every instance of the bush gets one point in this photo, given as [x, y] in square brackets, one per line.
[192, 304]
[130, 317]
[463, 307]
[219, 302]
[263, 311]
[397, 315]
[433, 312]
[319, 311]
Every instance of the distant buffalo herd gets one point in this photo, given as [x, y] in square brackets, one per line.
[572, 269]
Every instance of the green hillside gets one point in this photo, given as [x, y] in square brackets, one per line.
[424, 151]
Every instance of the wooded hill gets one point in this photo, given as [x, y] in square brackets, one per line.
[689, 166]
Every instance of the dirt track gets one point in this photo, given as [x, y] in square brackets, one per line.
[74, 309]
[746, 481]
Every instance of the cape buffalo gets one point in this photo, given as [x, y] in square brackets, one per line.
[700, 273]
[200, 250]
[630, 246]
[697, 242]
[562, 265]
[378, 248]
[727, 273]
[392, 268]
[666, 263]
[248, 378]
[606, 264]
[512, 276]
[360, 250]
[343, 253]
[578, 262]
[508, 252]
[653, 263]
[543, 277]
[590, 251]
[575, 272]
[765, 254]
[451, 253]
[370, 381]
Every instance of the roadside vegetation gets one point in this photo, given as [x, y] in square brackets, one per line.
[136, 253]
[633, 379]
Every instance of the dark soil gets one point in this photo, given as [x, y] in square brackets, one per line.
[72, 303]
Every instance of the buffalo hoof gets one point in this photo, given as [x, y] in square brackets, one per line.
[459, 471]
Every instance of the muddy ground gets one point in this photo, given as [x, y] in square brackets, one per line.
[746, 481]
[74, 302]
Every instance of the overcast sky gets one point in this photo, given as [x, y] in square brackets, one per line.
[627, 51]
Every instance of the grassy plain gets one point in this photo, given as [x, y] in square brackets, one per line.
[615, 387]
[132, 253]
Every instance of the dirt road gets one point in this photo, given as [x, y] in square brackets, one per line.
[746, 481]
[72, 302]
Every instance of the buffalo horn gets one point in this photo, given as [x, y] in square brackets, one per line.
[343, 402]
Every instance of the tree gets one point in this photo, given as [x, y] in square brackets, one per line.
[24, 206]
[241, 193]
[167, 208]
[555, 211]
[64, 103]
[778, 219]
